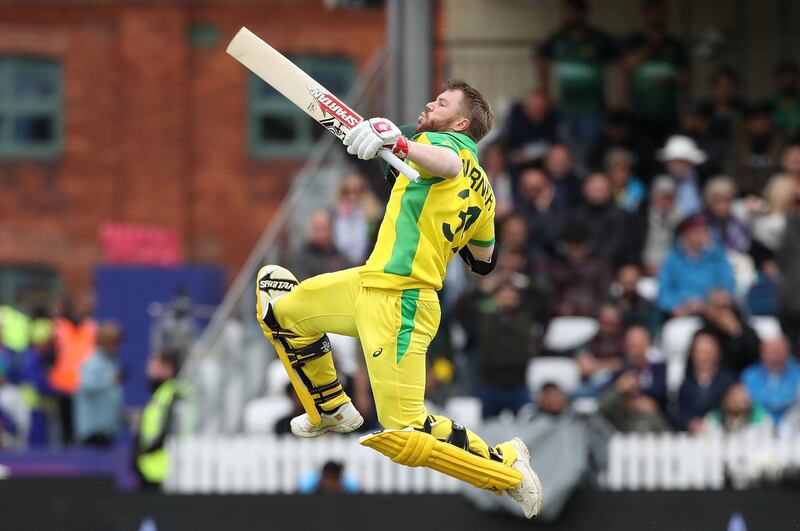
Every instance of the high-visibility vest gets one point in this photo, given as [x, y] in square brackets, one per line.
[74, 345]
[154, 465]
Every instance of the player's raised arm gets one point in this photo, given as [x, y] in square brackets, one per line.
[369, 136]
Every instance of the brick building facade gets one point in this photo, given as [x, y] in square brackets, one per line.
[155, 124]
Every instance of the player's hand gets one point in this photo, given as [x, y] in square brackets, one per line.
[365, 139]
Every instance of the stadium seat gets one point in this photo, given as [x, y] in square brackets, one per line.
[276, 378]
[767, 327]
[647, 287]
[261, 414]
[676, 337]
[556, 369]
[466, 410]
[568, 333]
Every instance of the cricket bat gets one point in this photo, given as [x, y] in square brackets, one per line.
[302, 90]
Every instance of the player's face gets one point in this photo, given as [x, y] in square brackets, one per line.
[443, 113]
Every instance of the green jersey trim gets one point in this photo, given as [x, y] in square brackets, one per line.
[408, 310]
[482, 243]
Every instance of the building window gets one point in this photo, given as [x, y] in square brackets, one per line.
[276, 126]
[31, 108]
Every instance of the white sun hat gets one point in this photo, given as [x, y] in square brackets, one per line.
[680, 147]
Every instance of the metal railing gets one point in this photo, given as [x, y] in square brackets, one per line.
[226, 367]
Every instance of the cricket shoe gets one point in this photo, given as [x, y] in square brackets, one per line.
[529, 492]
[343, 420]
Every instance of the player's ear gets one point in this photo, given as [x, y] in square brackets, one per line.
[461, 125]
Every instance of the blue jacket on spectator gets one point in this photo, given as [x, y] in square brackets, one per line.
[683, 278]
[774, 392]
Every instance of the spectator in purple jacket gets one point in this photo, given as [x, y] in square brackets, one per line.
[727, 230]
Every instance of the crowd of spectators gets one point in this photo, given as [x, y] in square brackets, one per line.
[61, 383]
[596, 195]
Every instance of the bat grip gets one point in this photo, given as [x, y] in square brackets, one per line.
[399, 165]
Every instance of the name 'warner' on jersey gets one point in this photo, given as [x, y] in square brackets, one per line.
[428, 222]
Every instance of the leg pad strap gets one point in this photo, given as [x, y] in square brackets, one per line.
[411, 447]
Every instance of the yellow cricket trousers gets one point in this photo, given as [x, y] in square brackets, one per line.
[395, 329]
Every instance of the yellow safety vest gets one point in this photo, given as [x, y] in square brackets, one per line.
[154, 465]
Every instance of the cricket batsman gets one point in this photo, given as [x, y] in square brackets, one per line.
[391, 304]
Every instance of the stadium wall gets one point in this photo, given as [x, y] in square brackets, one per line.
[155, 129]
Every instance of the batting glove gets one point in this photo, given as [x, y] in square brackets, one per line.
[366, 138]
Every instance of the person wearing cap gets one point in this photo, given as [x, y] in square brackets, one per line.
[98, 402]
[681, 156]
[661, 220]
[694, 266]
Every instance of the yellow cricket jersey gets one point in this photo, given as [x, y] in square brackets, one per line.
[428, 222]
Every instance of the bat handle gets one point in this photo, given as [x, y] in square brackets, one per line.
[399, 165]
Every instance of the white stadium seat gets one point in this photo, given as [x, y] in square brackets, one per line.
[766, 327]
[261, 414]
[676, 337]
[647, 287]
[560, 370]
[276, 378]
[569, 333]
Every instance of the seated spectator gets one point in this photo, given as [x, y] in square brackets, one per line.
[628, 190]
[785, 104]
[759, 150]
[696, 124]
[98, 402]
[177, 327]
[319, 254]
[706, 381]
[636, 398]
[602, 219]
[503, 349]
[727, 230]
[740, 343]
[329, 480]
[635, 308]
[532, 125]
[14, 413]
[788, 259]
[681, 156]
[766, 218]
[618, 133]
[774, 382]
[725, 108]
[737, 414]
[694, 267]
[545, 219]
[283, 426]
[604, 354]
[580, 281]
[661, 220]
[790, 161]
[354, 217]
[559, 169]
[493, 160]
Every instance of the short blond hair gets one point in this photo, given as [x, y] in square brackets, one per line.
[476, 108]
[719, 185]
[779, 193]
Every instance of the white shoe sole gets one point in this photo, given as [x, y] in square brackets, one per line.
[528, 493]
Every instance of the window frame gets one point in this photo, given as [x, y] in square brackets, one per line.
[12, 107]
[259, 104]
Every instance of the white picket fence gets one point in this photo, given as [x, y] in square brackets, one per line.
[271, 465]
[681, 462]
